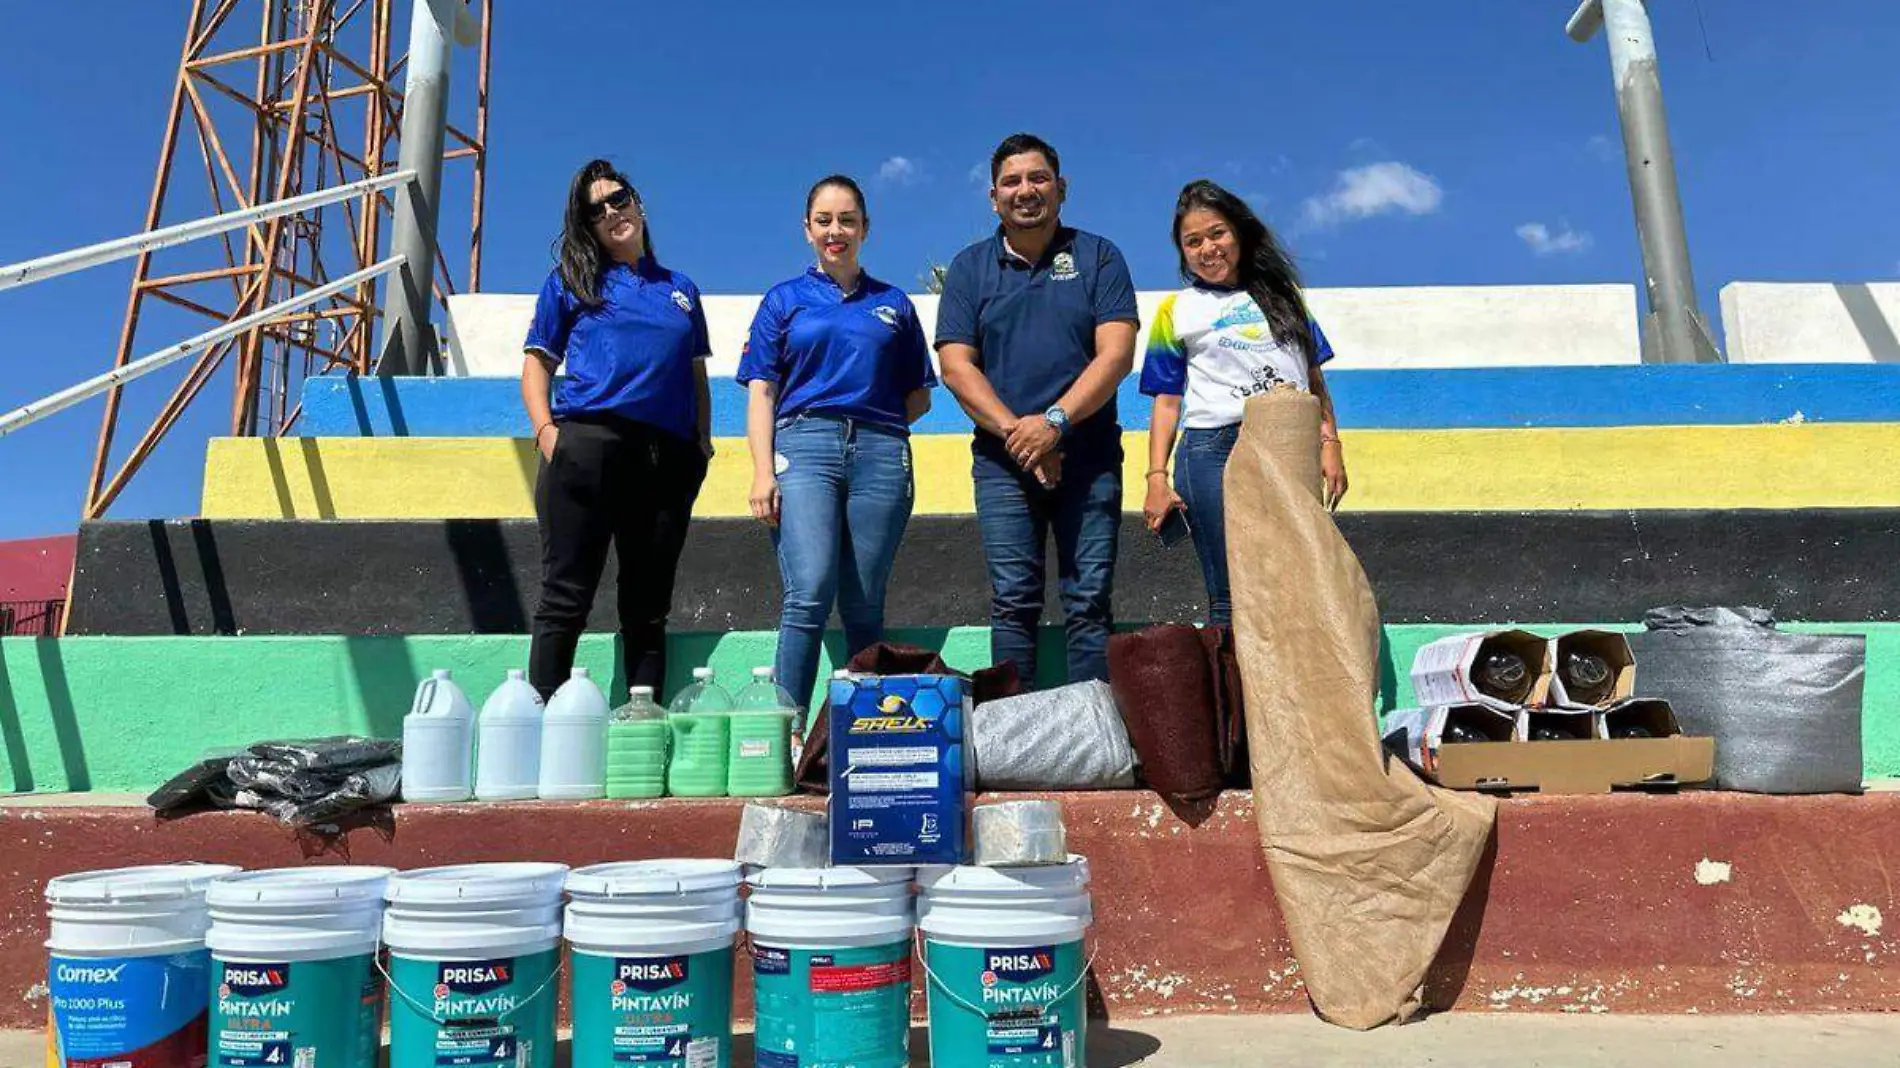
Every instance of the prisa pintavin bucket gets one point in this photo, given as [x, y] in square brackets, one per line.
[474, 952]
[128, 976]
[652, 942]
[831, 952]
[1004, 960]
[294, 975]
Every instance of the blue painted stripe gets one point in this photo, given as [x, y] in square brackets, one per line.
[1372, 400]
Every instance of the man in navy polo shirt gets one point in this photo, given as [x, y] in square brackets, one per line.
[1035, 332]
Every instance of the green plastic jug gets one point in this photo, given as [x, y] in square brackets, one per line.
[758, 756]
[700, 723]
[637, 740]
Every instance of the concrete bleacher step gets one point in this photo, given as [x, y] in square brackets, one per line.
[1631, 903]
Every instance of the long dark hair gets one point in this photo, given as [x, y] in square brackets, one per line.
[1266, 271]
[576, 251]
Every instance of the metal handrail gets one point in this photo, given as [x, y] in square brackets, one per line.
[92, 387]
[19, 274]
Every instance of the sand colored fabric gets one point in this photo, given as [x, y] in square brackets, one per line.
[1369, 863]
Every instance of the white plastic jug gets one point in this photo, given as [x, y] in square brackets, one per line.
[438, 741]
[574, 741]
[508, 759]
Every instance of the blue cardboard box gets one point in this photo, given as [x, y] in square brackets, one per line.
[898, 790]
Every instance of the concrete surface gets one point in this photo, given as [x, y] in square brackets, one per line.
[1826, 465]
[1629, 903]
[128, 713]
[1421, 326]
[483, 576]
[1663, 395]
[1448, 1041]
[1812, 322]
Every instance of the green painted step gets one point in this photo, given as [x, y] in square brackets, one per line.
[125, 714]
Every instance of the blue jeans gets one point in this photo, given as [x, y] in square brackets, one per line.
[845, 495]
[1200, 463]
[1016, 516]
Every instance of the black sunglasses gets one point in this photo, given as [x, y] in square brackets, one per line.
[618, 200]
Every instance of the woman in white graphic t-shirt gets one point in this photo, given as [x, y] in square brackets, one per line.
[1239, 328]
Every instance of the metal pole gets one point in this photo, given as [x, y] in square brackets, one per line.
[409, 344]
[1674, 331]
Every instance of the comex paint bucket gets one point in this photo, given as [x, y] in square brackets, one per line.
[1003, 953]
[831, 966]
[473, 954]
[652, 962]
[129, 977]
[294, 976]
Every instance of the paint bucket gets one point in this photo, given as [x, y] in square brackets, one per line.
[1004, 958]
[651, 980]
[294, 977]
[473, 954]
[129, 978]
[831, 966]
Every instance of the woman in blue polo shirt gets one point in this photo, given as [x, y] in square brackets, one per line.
[837, 370]
[625, 443]
[1240, 327]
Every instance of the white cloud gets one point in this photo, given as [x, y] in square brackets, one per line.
[1602, 148]
[980, 173]
[1375, 189]
[899, 170]
[1545, 243]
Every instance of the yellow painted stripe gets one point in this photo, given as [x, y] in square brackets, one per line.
[1837, 465]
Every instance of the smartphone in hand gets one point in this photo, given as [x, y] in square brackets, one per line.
[1174, 529]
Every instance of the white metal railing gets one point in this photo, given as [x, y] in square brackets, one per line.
[92, 387]
[19, 274]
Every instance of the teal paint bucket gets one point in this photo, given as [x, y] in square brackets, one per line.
[1003, 952]
[652, 951]
[831, 952]
[129, 978]
[294, 976]
[474, 952]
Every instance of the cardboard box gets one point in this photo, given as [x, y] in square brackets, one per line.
[1614, 648]
[1417, 734]
[898, 774]
[1652, 714]
[1576, 724]
[1443, 671]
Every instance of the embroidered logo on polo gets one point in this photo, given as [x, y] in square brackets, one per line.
[685, 303]
[886, 315]
[1062, 269]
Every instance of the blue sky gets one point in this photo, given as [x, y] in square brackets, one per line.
[1391, 144]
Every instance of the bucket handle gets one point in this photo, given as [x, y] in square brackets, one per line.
[924, 959]
[429, 1013]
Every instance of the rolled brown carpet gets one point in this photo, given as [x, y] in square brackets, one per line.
[1369, 862]
[1165, 690]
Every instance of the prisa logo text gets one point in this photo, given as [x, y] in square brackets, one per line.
[479, 977]
[1019, 965]
[248, 981]
[649, 974]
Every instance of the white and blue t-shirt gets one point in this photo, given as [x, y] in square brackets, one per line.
[1214, 348]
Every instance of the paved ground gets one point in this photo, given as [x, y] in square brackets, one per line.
[1463, 1040]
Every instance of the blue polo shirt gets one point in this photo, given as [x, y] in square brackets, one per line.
[856, 355]
[631, 355]
[1033, 324]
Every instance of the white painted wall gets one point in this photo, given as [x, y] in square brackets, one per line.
[1427, 326]
[1820, 322]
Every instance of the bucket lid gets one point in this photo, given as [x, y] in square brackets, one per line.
[155, 882]
[477, 883]
[341, 884]
[1040, 879]
[829, 878]
[654, 878]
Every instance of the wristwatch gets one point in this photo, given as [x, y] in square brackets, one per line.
[1057, 418]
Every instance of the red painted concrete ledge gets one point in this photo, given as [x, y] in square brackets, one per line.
[1705, 902]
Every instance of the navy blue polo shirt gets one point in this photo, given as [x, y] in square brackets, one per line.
[856, 355]
[1033, 325]
[632, 354]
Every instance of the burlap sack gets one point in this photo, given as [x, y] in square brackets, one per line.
[1369, 863]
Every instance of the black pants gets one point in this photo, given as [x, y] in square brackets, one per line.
[611, 480]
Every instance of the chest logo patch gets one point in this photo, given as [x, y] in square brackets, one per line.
[1063, 267]
[886, 315]
[685, 302]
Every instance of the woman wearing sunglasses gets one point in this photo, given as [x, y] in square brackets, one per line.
[625, 442]
[1240, 327]
[836, 369]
